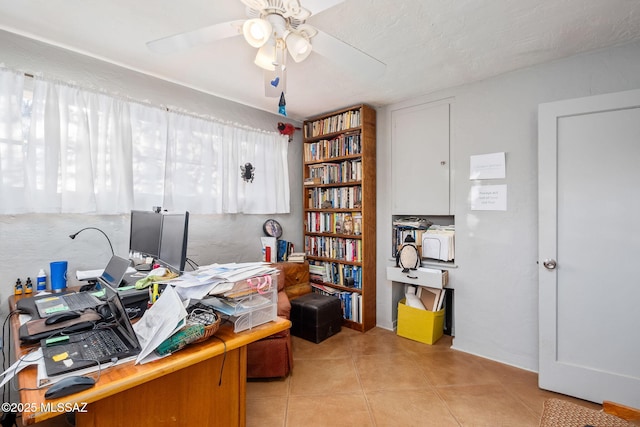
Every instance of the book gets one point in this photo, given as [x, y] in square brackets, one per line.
[297, 257]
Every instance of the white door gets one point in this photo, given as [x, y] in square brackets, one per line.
[589, 247]
[420, 159]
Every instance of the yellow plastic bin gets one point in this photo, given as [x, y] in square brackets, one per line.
[419, 325]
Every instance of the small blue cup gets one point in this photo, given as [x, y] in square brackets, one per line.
[58, 276]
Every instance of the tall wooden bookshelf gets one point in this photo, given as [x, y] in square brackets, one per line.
[339, 161]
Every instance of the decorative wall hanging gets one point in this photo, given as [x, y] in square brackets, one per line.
[248, 172]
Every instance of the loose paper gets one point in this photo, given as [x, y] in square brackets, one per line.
[159, 322]
[489, 198]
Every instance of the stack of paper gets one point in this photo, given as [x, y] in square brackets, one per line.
[168, 314]
[438, 243]
[215, 279]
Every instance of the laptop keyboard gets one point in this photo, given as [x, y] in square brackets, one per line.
[79, 300]
[100, 344]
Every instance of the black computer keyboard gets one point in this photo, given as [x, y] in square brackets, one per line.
[100, 344]
[79, 300]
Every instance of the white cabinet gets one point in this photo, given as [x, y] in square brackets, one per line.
[420, 140]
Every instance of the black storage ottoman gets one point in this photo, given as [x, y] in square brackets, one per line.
[315, 317]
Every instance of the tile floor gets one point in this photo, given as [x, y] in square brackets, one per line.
[380, 379]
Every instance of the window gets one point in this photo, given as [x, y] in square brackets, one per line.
[67, 149]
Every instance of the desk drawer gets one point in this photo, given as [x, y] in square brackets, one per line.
[422, 276]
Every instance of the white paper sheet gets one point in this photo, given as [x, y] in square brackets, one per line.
[159, 322]
[489, 198]
[487, 166]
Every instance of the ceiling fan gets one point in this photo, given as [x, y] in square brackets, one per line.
[277, 28]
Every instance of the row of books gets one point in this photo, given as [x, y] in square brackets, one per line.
[349, 276]
[343, 145]
[336, 198]
[334, 247]
[339, 122]
[333, 173]
[399, 236]
[334, 222]
[351, 302]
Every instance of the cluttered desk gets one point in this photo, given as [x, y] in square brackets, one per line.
[180, 362]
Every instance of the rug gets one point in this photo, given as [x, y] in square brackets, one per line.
[560, 413]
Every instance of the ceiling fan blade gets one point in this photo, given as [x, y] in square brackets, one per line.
[317, 6]
[189, 39]
[347, 56]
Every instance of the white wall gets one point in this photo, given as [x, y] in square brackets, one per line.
[30, 242]
[496, 282]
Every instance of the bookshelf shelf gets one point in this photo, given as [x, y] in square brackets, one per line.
[339, 172]
[328, 259]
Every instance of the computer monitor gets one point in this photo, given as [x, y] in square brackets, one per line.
[144, 237]
[173, 240]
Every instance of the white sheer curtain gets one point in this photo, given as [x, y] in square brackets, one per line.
[12, 159]
[268, 156]
[149, 154]
[88, 152]
[79, 151]
[203, 171]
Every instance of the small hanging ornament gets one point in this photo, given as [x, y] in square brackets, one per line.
[287, 129]
[282, 105]
[248, 172]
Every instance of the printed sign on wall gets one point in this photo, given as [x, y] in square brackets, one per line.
[489, 198]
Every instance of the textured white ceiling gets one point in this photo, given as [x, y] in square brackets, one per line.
[427, 44]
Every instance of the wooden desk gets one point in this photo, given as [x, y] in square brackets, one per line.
[179, 390]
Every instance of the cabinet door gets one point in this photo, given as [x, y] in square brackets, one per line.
[420, 159]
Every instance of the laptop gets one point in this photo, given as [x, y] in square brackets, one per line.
[116, 340]
[77, 301]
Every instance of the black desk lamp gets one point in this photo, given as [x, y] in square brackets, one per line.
[73, 236]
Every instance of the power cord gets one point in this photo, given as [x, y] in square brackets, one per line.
[194, 266]
[7, 419]
[224, 358]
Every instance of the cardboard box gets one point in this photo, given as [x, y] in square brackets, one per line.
[419, 325]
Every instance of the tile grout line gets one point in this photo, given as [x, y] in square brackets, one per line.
[366, 397]
[437, 390]
[286, 405]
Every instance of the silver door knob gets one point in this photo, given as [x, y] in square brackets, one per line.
[549, 264]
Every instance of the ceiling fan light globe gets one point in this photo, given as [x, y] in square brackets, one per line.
[266, 57]
[256, 31]
[299, 47]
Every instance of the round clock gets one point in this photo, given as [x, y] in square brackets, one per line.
[272, 228]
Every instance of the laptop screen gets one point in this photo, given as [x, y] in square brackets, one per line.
[123, 323]
[115, 270]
